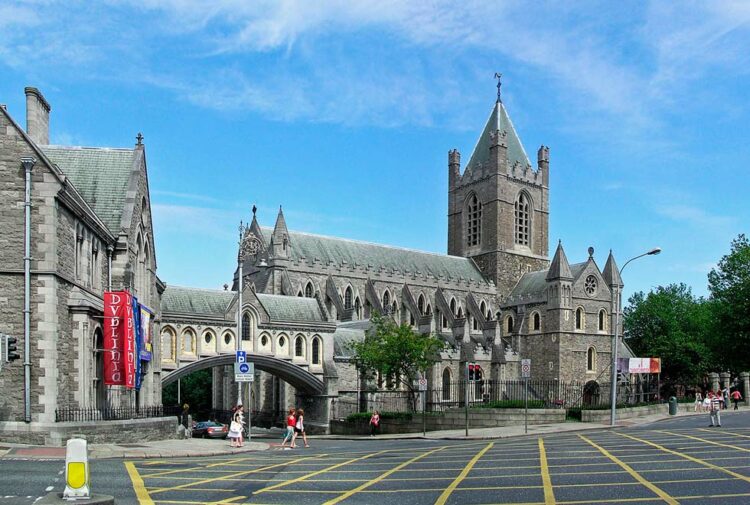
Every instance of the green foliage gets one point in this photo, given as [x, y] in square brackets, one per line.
[729, 285]
[672, 324]
[365, 416]
[195, 390]
[510, 404]
[397, 352]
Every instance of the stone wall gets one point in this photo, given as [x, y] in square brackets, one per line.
[603, 416]
[95, 432]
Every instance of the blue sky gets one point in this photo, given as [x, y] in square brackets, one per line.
[343, 112]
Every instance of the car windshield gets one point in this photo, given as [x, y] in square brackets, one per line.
[207, 424]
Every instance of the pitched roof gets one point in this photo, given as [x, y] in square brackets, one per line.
[101, 176]
[498, 120]
[197, 301]
[611, 273]
[530, 285]
[291, 308]
[338, 250]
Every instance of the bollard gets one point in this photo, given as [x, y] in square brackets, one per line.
[76, 470]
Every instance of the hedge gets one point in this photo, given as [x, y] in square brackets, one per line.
[365, 416]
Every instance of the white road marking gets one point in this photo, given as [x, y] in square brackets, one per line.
[49, 488]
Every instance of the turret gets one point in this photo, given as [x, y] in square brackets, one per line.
[454, 168]
[559, 291]
[611, 273]
[542, 163]
[280, 247]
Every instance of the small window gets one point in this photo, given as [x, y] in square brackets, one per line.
[446, 384]
[602, 320]
[264, 341]
[420, 304]
[246, 327]
[536, 322]
[358, 308]
[167, 345]
[208, 337]
[188, 342]
[509, 324]
[579, 318]
[386, 300]
[522, 226]
[453, 307]
[299, 347]
[474, 324]
[309, 290]
[591, 359]
[483, 308]
[474, 222]
[316, 351]
[282, 341]
[348, 298]
[227, 338]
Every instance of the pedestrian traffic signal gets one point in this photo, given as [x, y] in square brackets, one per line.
[471, 372]
[477, 373]
[11, 349]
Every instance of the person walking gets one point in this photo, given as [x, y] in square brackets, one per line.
[736, 397]
[236, 427]
[185, 420]
[698, 401]
[374, 423]
[715, 410]
[291, 421]
[725, 397]
[299, 428]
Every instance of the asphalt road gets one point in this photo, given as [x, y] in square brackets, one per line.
[675, 461]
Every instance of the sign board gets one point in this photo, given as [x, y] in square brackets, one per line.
[422, 384]
[244, 372]
[241, 357]
[526, 368]
[119, 340]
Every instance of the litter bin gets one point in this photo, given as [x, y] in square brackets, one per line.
[672, 406]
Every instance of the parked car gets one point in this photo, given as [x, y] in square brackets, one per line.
[210, 429]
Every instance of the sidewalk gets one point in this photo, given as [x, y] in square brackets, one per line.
[196, 447]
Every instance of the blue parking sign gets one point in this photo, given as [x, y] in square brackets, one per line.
[241, 357]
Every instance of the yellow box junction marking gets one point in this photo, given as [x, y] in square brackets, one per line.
[688, 457]
[549, 493]
[656, 490]
[140, 489]
[232, 475]
[452, 486]
[318, 472]
[730, 433]
[381, 477]
[735, 447]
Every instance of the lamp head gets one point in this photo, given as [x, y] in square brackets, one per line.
[654, 251]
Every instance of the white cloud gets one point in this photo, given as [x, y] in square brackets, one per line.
[695, 216]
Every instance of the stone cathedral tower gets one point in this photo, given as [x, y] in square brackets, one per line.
[498, 209]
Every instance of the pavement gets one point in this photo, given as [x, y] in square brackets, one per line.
[269, 439]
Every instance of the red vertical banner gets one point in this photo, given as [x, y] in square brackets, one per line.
[129, 344]
[119, 339]
[114, 315]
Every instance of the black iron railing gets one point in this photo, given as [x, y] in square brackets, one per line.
[114, 413]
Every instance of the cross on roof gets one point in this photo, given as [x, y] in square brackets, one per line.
[499, 77]
[139, 139]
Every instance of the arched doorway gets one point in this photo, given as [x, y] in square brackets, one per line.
[591, 394]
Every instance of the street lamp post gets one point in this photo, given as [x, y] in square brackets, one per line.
[616, 304]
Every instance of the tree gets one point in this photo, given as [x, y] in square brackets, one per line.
[195, 390]
[729, 285]
[672, 324]
[397, 352]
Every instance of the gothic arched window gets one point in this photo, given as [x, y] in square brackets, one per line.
[453, 307]
[348, 298]
[316, 351]
[309, 290]
[167, 345]
[580, 318]
[357, 308]
[386, 300]
[188, 342]
[299, 346]
[474, 223]
[246, 326]
[420, 304]
[602, 320]
[591, 359]
[446, 384]
[523, 227]
[536, 322]
[509, 324]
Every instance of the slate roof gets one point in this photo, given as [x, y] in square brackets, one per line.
[498, 120]
[101, 176]
[532, 284]
[338, 250]
[342, 338]
[210, 302]
[290, 308]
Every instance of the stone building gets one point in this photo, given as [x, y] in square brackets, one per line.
[90, 228]
[495, 298]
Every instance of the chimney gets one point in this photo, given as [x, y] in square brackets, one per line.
[37, 116]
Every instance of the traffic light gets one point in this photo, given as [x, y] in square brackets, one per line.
[477, 373]
[471, 372]
[11, 349]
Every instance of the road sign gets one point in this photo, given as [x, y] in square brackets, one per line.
[526, 368]
[244, 372]
[422, 384]
[241, 357]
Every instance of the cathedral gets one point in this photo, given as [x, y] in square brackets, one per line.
[298, 299]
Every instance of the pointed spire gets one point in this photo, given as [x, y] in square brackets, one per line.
[560, 268]
[611, 273]
[280, 226]
[499, 121]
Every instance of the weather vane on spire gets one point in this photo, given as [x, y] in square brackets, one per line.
[498, 76]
